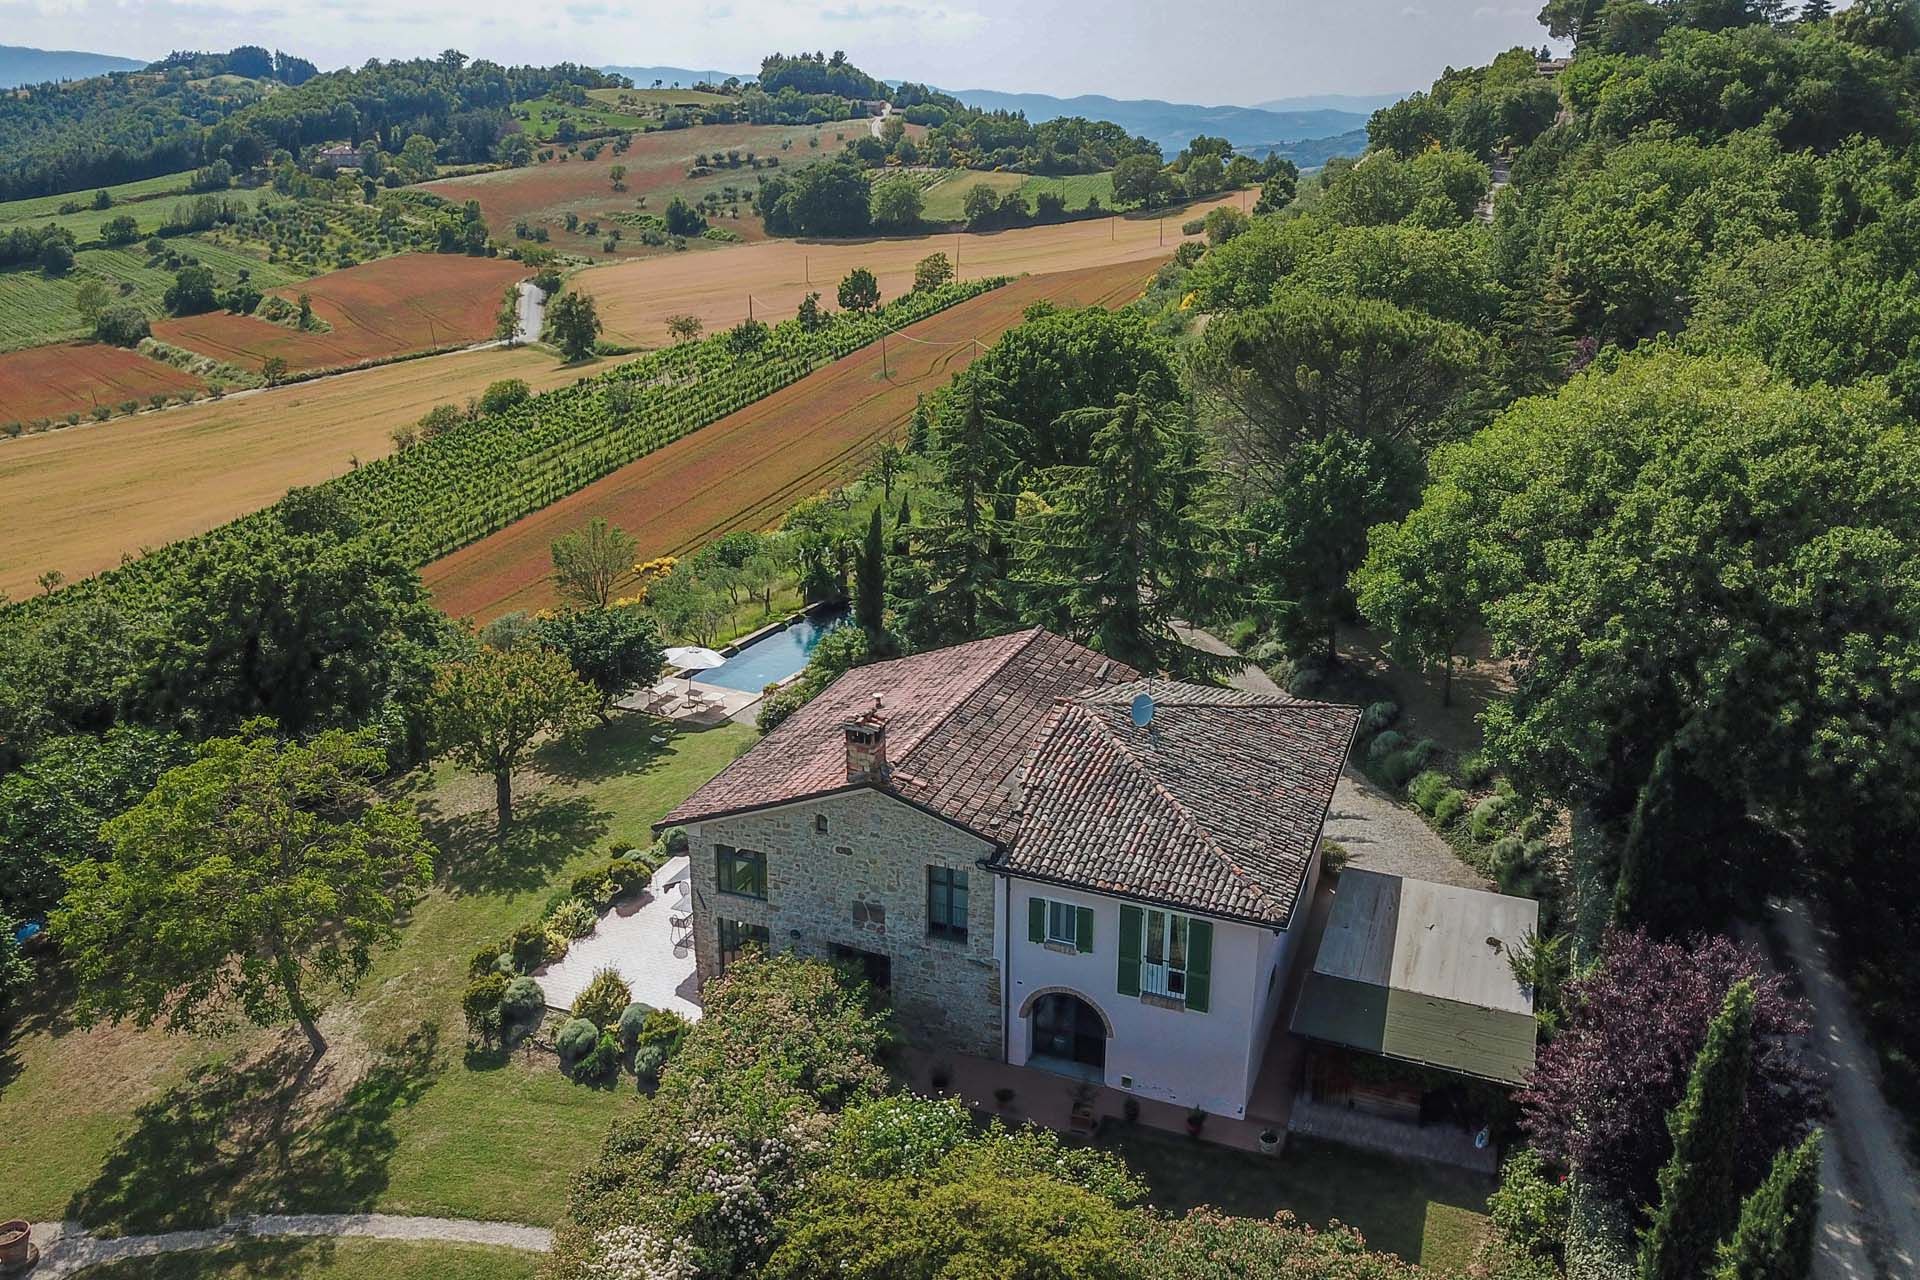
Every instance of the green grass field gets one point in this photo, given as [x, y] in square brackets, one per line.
[328, 1260]
[167, 184]
[540, 117]
[37, 309]
[616, 98]
[172, 1132]
[151, 215]
[946, 199]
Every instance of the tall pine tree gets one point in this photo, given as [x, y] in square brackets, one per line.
[1774, 1240]
[1816, 10]
[1120, 553]
[958, 552]
[1698, 1199]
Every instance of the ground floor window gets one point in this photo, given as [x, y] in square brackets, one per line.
[877, 969]
[736, 935]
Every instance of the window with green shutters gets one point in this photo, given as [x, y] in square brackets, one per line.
[1060, 924]
[1166, 956]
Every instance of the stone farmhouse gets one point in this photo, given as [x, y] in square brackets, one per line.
[1045, 859]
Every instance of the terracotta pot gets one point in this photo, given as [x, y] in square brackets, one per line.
[16, 1243]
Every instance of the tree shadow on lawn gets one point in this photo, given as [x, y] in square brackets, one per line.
[631, 743]
[259, 1136]
[546, 831]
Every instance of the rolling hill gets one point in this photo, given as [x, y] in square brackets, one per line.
[1173, 124]
[20, 65]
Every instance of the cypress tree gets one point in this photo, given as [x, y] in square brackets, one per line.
[1774, 1240]
[1698, 1200]
[902, 544]
[870, 582]
[1816, 10]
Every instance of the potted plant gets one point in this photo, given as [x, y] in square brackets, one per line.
[1196, 1119]
[1003, 1095]
[1131, 1110]
[940, 1078]
[1269, 1142]
[16, 1245]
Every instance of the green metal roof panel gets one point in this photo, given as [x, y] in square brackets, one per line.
[1492, 1044]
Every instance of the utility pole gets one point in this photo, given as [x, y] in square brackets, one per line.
[749, 308]
[883, 357]
[1163, 231]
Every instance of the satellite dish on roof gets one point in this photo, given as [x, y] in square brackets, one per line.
[1142, 710]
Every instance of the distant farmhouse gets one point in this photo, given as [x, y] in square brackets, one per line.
[1049, 862]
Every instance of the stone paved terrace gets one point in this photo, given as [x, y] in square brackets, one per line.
[636, 940]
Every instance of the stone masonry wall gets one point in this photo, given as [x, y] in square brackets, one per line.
[862, 883]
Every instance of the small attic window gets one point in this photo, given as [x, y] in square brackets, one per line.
[820, 823]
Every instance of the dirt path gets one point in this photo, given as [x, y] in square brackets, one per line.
[68, 1247]
[1869, 1190]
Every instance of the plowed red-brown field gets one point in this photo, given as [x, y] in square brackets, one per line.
[412, 302]
[52, 382]
[745, 470]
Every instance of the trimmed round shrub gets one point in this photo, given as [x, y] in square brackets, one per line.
[1378, 716]
[1193, 226]
[1477, 769]
[629, 876]
[1385, 745]
[1449, 806]
[632, 1018]
[1488, 818]
[486, 960]
[481, 1004]
[675, 841]
[601, 1063]
[664, 1027]
[528, 947]
[603, 999]
[1425, 790]
[592, 887]
[649, 1060]
[576, 1040]
[1308, 678]
[523, 1002]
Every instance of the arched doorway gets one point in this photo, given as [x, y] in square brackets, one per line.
[1067, 1029]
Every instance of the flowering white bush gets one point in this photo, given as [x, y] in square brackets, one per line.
[637, 1253]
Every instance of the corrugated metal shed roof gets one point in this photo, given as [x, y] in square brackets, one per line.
[1420, 971]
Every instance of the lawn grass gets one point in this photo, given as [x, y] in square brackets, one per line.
[1427, 1214]
[541, 117]
[328, 1260]
[170, 1132]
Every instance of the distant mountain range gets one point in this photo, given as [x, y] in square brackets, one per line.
[1282, 125]
[20, 65]
[1174, 124]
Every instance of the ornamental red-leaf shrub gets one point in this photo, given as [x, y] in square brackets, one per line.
[1600, 1092]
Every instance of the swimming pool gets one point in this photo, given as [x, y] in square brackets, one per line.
[775, 657]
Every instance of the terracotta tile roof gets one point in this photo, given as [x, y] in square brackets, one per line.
[1214, 807]
[960, 724]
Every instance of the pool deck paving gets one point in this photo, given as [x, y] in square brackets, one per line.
[637, 940]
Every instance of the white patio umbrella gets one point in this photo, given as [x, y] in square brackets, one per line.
[691, 658]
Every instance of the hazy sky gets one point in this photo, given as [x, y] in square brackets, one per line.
[1229, 51]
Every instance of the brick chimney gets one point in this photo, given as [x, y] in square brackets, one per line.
[867, 747]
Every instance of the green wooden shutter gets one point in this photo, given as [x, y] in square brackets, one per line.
[1131, 920]
[1036, 920]
[1199, 965]
[1083, 929]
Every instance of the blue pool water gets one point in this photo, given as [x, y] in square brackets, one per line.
[775, 657]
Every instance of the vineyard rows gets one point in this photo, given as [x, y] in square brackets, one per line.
[439, 495]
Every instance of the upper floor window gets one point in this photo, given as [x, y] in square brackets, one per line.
[740, 871]
[947, 903]
[1059, 924]
[1167, 956]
